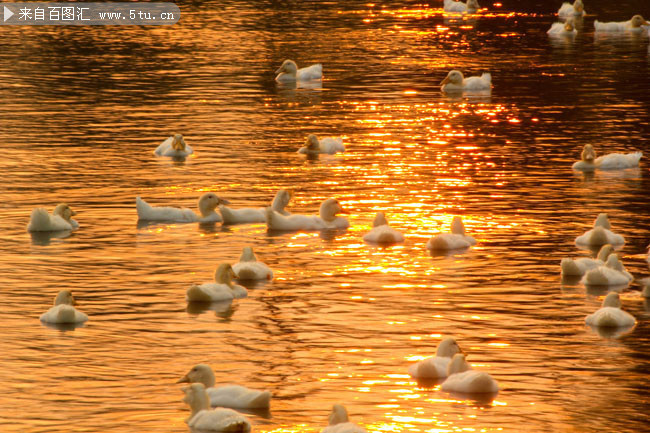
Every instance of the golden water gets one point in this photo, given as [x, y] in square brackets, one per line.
[83, 108]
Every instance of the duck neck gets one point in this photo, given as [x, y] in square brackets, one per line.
[247, 255]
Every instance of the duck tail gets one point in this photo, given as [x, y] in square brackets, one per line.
[39, 221]
[487, 77]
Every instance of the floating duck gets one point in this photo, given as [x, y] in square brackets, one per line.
[223, 289]
[289, 71]
[382, 233]
[612, 161]
[455, 82]
[174, 146]
[207, 205]
[219, 419]
[61, 219]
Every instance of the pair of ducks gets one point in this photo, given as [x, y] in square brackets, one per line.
[384, 234]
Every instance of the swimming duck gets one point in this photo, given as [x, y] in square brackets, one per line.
[568, 10]
[461, 378]
[435, 367]
[64, 310]
[174, 146]
[455, 82]
[207, 204]
[579, 266]
[250, 215]
[340, 423]
[219, 419]
[328, 145]
[612, 161]
[289, 71]
[566, 28]
[61, 219]
[610, 314]
[327, 219]
[382, 233]
[456, 6]
[612, 273]
[454, 240]
[223, 289]
[600, 234]
[248, 268]
[234, 396]
[633, 25]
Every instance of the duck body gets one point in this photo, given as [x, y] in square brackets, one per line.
[222, 289]
[382, 233]
[612, 161]
[248, 268]
[327, 145]
[327, 220]
[636, 24]
[251, 215]
[207, 204]
[455, 240]
[461, 378]
[568, 10]
[600, 236]
[204, 418]
[611, 273]
[562, 29]
[289, 71]
[456, 6]
[63, 310]
[42, 221]
[610, 314]
[174, 146]
[233, 396]
[455, 82]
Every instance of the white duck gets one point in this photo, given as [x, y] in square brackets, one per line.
[610, 315]
[454, 240]
[456, 6]
[289, 71]
[568, 10]
[612, 273]
[207, 205]
[328, 145]
[578, 267]
[251, 215]
[248, 268]
[174, 146]
[455, 82]
[61, 219]
[382, 233]
[327, 219]
[64, 310]
[340, 423]
[204, 418]
[223, 289]
[461, 378]
[612, 161]
[435, 367]
[633, 25]
[600, 234]
[566, 28]
[234, 396]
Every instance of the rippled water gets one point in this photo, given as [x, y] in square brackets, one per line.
[83, 108]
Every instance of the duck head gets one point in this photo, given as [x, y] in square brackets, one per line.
[448, 348]
[578, 6]
[612, 300]
[602, 221]
[288, 67]
[64, 211]
[338, 415]
[209, 202]
[247, 255]
[588, 154]
[380, 220]
[178, 143]
[453, 77]
[200, 373]
[638, 21]
[605, 252]
[312, 144]
[329, 208]
[197, 398]
[224, 274]
[64, 297]
[457, 226]
[457, 364]
[282, 199]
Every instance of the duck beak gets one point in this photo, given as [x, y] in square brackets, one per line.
[280, 69]
[223, 201]
[445, 81]
[341, 210]
[73, 213]
[184, 379]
